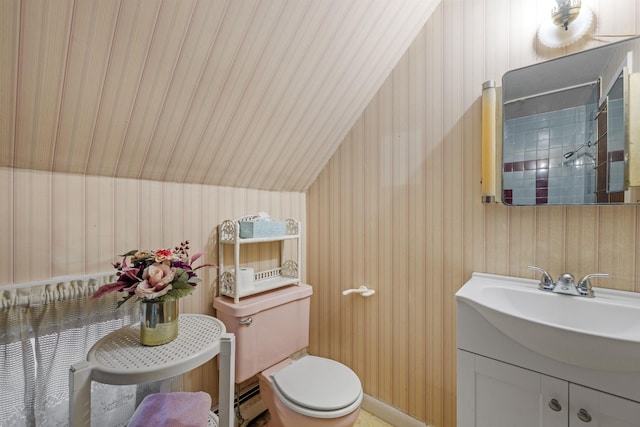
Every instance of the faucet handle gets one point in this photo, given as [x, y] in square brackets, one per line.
[584, 285]
[546, 283]
[566, 279]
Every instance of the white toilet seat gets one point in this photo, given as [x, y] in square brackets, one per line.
[318, 387]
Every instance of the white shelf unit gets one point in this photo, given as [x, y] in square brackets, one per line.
[287, 273]
[119, 359]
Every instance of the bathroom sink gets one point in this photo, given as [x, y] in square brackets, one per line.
[598, 333]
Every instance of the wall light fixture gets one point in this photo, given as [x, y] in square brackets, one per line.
[566, 24]
[490, 149]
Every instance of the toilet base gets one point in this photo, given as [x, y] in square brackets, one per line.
[282, 416]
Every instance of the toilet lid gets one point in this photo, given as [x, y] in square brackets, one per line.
[318, 383]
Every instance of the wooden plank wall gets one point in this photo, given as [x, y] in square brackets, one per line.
[57, 224]
[264, 90]
[398, 207]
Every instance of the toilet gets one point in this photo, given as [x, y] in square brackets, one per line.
[305, 391]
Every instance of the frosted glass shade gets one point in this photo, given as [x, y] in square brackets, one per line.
[489, 105]
[555, 36]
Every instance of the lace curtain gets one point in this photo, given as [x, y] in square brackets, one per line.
[45, 327]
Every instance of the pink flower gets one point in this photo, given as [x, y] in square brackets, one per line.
[156, 281]
[160, 275]
[164, 255]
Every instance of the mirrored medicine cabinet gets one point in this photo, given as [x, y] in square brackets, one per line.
[568, 129]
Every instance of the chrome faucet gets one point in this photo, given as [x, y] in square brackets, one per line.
[566, 283]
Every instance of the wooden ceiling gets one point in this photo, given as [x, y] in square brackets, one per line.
[242, 93]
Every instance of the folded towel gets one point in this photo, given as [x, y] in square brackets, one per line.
[180, 409]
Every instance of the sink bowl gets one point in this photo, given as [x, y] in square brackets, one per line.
[597, 333]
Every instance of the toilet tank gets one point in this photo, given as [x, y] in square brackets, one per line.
[269, 327]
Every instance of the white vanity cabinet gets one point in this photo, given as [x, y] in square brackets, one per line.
[532, 358]
[602, 409]
[496, 394]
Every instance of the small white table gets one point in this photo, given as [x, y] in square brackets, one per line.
[120, 359]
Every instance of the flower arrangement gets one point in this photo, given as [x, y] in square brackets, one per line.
[159, 275]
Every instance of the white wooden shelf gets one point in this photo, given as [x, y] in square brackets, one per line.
[261, 239]
[267, 285]
[287, 273]
[119, 358]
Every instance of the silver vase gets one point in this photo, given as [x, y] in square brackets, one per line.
[158, 322]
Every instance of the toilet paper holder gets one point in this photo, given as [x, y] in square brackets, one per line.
[362, 290]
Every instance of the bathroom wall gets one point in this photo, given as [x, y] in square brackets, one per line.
[398, 207]
[56, 224]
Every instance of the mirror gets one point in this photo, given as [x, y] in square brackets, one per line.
[565, 132]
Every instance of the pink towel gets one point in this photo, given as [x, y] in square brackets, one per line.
[179, 409]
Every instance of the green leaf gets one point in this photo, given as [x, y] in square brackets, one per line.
[181, 285]
[178, 293]
[131, 252]
[181, 275]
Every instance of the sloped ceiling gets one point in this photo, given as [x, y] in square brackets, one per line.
[241, 93]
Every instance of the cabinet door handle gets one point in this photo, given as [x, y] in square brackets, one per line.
[555, 405]
[583, 415]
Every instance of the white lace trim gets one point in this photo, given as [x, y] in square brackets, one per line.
[55, 289]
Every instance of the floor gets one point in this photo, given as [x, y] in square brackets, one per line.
[365, 419]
